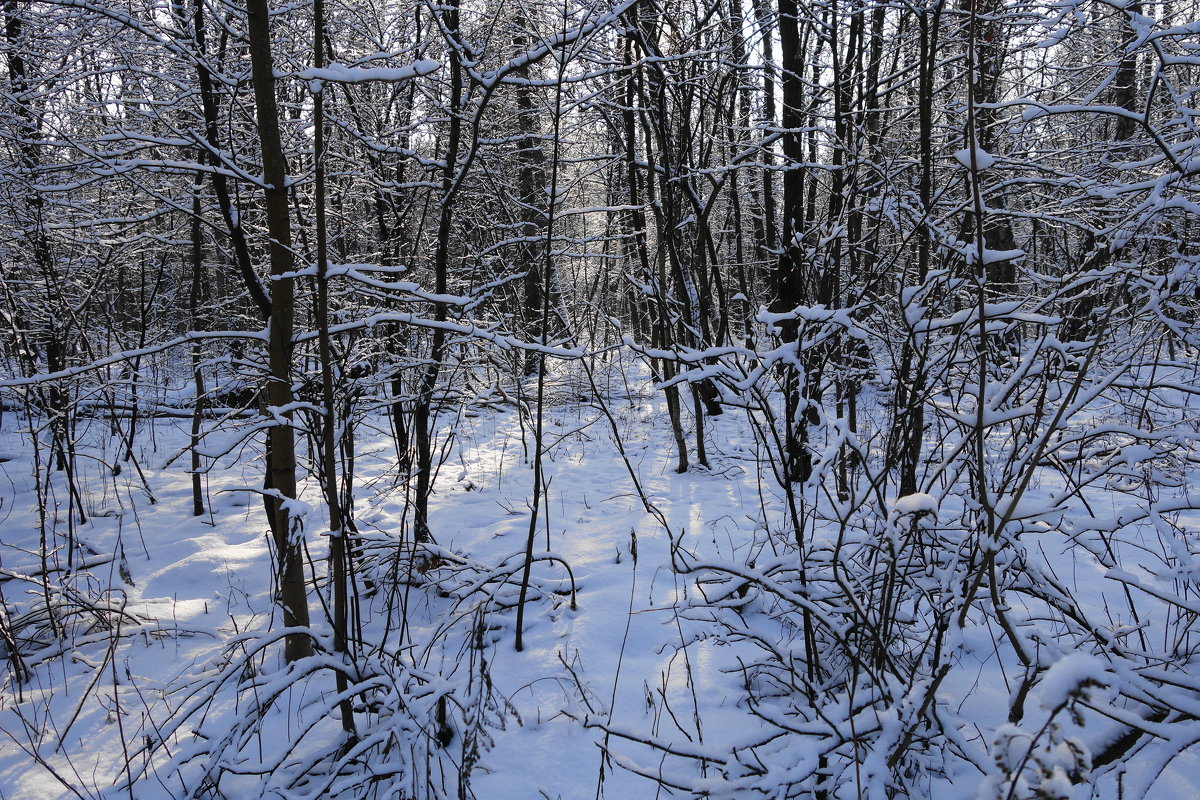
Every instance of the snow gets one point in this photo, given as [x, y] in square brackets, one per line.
[991, 256]
[982, 159]
[344, 73]
[1070, 677]
[640, 579]
[918, 503]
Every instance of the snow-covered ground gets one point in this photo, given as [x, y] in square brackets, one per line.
[146, 686]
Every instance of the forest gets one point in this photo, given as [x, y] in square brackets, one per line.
[571, 399]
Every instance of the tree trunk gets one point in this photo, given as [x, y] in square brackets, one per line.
[280, 480]
[423, 416]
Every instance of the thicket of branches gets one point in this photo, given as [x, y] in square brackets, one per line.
[938, 254]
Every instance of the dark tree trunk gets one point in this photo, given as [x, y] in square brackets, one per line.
[280, 480]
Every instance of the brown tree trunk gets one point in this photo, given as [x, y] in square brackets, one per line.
[281, 443]
[339, 521]
[423, 416]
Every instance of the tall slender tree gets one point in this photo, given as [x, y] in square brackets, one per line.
[280, 484]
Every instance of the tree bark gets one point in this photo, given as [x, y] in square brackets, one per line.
[281, 442]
